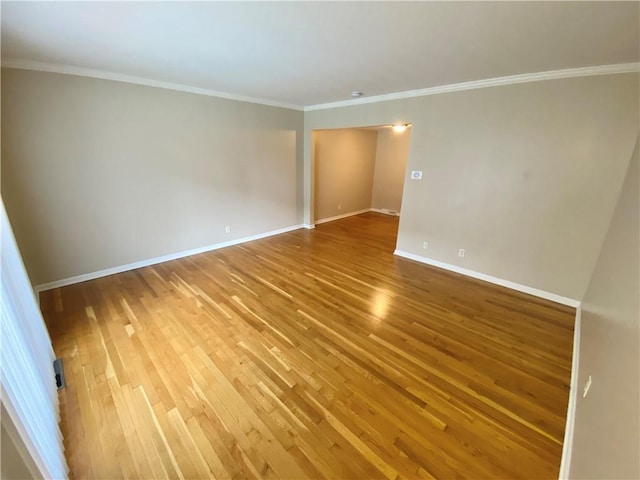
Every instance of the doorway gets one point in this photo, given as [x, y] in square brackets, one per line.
[358, 170]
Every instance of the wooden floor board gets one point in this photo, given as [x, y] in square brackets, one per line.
[311, 354]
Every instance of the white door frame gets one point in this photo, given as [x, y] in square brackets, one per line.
[28, 391]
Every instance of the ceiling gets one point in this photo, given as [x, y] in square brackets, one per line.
[309, 53]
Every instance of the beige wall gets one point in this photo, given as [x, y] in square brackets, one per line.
[344, 166]
[607, 422]
[392, 153]
[524, 177]
[12, 464]
[98, 174]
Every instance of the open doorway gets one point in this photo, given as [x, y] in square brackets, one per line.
[358, 170]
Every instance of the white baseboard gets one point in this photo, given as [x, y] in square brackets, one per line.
[386, 211]
[308, 226]
[567, 445]
[344, 215]
[165, 258]
[488, 278]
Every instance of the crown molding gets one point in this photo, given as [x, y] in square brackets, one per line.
[489, 82]
[454, 87]
[121, 77]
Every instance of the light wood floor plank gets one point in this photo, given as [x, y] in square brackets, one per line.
[312, 354]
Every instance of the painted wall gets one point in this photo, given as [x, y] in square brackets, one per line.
[392, 153]
[98, 174]
[12, 465]
[344, 166]
[524, 177]
[606, 432]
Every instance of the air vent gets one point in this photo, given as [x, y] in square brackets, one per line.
[59, 372]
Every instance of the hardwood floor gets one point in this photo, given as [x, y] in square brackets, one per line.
[312, 354]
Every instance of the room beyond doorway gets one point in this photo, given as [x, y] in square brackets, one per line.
[357, 170]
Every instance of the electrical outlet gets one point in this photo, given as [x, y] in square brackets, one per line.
[425, 245]
[587, 386]
[416, 175]
[461, 252]
[339, 207]
[227, 229]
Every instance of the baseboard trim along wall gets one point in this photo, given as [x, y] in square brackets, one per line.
[386, 211]
[488, 278]
[567, 445]
[344, 215]
[153, 261]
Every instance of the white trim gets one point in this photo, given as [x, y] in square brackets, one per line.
[308, 226]
[27, 386]
[153, 261]
[121, 77]
[488, 278]
[453, 87]
[488, 82]
[344, 215]
[567, 445]
[386, 211]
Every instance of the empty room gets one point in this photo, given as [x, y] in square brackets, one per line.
[347, 240]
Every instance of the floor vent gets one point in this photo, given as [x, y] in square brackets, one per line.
[59, 371]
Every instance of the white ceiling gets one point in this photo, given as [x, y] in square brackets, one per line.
[317, 52]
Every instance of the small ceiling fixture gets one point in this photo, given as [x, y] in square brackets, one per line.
[400, 127]
[356, 94]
